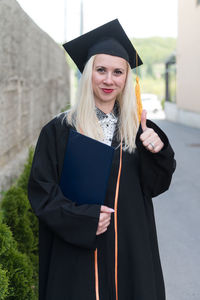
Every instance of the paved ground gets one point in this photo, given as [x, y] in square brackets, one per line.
[178, 216]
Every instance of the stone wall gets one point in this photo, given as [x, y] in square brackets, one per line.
[34, 86]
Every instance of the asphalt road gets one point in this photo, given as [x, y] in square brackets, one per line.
[177, 213]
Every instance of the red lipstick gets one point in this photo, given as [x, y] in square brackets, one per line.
[107, 91]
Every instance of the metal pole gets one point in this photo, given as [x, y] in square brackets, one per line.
[65, 20]
[81, 18]
[81, 30]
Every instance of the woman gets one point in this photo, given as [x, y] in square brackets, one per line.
[108, 251]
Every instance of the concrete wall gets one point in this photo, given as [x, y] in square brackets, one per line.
[182, 116]
[34, 85]
[188, 56]
[187, 107]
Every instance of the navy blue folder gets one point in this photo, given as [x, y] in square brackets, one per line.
[86, 169]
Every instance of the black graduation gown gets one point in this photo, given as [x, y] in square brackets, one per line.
[67, 233]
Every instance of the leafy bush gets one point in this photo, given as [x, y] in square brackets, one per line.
[20, 273]
[3, 284]
[19, 247]
[15, 207]
[16, 269]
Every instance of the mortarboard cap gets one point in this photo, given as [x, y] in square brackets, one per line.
[109, 38]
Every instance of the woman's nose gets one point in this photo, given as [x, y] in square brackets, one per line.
[108, 78]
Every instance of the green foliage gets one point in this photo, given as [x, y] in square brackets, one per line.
[16, 269]
[149, 70]
[20, 275]
[6, 243]
[15, 207]
[154, 53]
[154, 86]
[154, 50]
[23, 178]
[19, 241]
[68, 106]
[4, 282]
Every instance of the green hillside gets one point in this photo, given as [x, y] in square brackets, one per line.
[154, 50]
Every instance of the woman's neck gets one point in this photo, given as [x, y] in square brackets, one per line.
[105, 107]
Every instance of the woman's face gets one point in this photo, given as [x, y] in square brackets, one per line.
[108, 77]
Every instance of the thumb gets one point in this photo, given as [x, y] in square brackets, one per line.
[106, 209]
[144, 120]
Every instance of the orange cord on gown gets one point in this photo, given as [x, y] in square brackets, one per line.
[116, 237]
[115, 222]
[96, 275]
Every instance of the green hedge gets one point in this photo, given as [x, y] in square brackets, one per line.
[4, 282]
[18, 242]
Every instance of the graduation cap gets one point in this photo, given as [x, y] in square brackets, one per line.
[109, 38]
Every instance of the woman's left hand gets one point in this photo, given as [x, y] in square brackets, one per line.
[149, 137]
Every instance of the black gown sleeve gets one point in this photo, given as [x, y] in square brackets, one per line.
[74, 224]
[156, 169]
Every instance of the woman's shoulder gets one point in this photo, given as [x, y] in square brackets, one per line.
[57, 124]
[58, 121]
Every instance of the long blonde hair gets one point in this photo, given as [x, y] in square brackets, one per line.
[83, 116]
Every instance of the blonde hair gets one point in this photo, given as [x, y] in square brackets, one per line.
[83, 116]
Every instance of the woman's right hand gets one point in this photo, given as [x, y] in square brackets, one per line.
[104, 219]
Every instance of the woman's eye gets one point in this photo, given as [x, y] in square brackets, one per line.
[118, 72]
[100, 70]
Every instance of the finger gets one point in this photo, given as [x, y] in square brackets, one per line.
[150, 148]
[158, 148]
[155, 140]
[149, 132]
[105, 224]
[101, 227]
[104, 217]
[103, 220]
[106, 209]
[101, 231]
[144, 120]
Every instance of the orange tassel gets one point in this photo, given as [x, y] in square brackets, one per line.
[138, 98]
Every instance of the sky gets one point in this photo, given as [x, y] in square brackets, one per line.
[139, 18]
